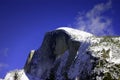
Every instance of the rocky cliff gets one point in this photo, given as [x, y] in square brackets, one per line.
[70, 54]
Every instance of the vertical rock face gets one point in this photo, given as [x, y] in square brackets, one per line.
[46, 59]
[54, 45]
[70, 54]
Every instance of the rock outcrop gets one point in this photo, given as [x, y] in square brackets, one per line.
[28, 61]
[70, 54]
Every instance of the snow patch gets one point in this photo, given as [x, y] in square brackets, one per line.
[75, 34]
[16, 75]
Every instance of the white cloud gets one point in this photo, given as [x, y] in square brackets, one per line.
[3, 65]
[4, 52]
[94, 20]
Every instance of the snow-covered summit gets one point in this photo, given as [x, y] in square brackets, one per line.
[76, 34]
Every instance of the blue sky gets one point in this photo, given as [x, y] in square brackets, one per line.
[23, 24]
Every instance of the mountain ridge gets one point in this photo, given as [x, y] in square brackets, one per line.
[71, 54]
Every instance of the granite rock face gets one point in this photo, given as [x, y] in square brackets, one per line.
[70, 54]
